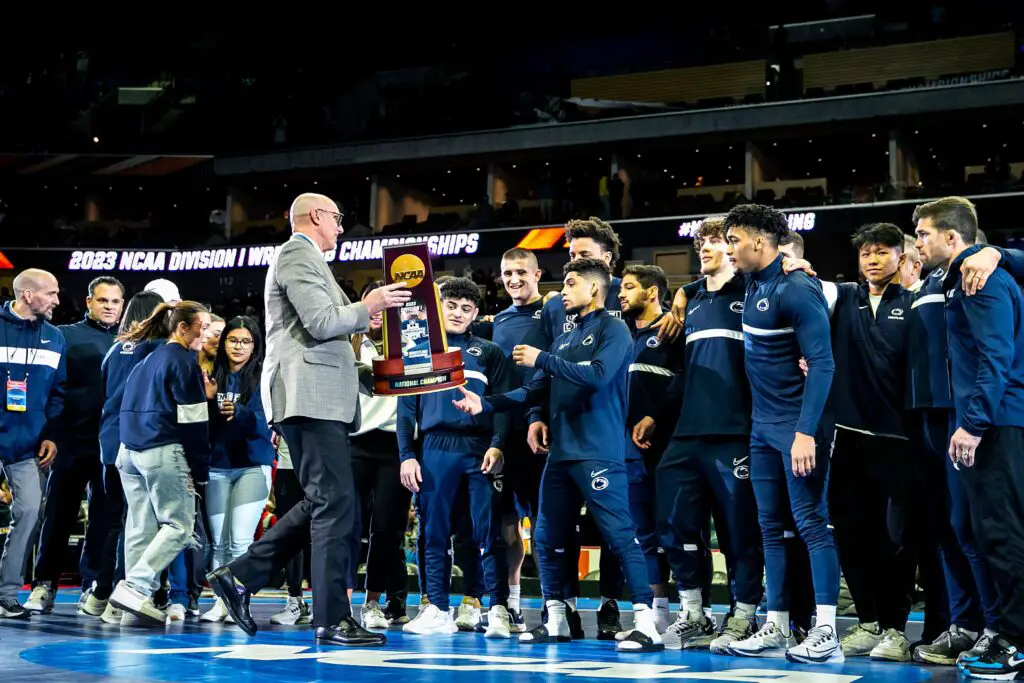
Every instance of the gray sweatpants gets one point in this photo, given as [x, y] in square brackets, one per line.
[161, 512]
[27, 482]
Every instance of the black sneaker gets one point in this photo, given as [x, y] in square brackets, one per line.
[517, 621]
[395, 612]
[193, 606]
[1002, 660]
[608, 621]
[12, 609]
[575, 624]
[945, 649]
[980, 648]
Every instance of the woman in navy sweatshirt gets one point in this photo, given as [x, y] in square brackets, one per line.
[242, 451]
[165, 451]
[119, 361]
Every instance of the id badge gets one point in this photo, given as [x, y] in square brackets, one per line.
[17, 396]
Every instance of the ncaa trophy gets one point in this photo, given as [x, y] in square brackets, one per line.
[416, 358]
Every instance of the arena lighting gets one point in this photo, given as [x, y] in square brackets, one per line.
[798, 222]
[226, 258]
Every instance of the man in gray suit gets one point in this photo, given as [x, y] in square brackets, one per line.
[310, 390]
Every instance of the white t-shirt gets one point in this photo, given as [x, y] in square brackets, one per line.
[875, 299]
[378, 412]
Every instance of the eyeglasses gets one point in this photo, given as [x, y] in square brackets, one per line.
[337, 216]
[240, 343]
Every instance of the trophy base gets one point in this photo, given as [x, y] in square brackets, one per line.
[389, 378]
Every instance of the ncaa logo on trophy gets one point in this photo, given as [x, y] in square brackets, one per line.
[416, 358]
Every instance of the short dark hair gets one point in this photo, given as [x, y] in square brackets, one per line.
[597, 230]
[104, 280]
[461, 288]
[520, 253]
[441, 280]
[649, 276]
[591, 269]
[796, 239]
[759, 218]
[951, 213]
[884, 234]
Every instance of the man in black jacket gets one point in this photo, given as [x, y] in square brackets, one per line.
[78, 468]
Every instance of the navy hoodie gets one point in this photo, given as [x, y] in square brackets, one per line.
[655, 365]
[487, 371]
[785, 317]
[88, 341]
[986, 350]
[715, 389]
[165, 403]
[580, 389]
[34, 352]
[245, 440]
[520, 325]
[117, 365]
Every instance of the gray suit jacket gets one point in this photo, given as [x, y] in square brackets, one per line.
[310, 369]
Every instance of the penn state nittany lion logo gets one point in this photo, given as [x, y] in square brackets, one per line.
[475, 351]
[762, 305]
[653, 342]
[128, 348]
[736, 307]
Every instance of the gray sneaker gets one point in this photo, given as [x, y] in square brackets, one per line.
[683, 634]
[734, 629]
[945, 649]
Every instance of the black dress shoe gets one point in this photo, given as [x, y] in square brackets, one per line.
[235, 598]
[349, 632]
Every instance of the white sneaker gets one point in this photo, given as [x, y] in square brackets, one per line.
[373, 616]
[216, 614]
[499, 623]
[821, 646]
[111, 615]
[467, 618]
[91, 606]
[859, 641]
[767, 642]
[175, 613]
[128, 599]
[295, 612]
[432, 621]
[893, 648]
[40, 600]
[684, 629]
[129, 619]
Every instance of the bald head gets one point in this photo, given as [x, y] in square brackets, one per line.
[318, 217]
[36, 293]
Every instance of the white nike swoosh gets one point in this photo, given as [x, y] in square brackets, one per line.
[46, 341]
[599, 472]
[862, 307]
[736, 462]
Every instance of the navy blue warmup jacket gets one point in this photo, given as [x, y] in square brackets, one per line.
[35, 352]
[928, 383]
[487, 372]
[165, 403]
[580, 390]
[88, 341]
[986, 350]
[558, 322]
[656, 364]
[785, 317]
[121, 358]
[870, 352]
[715, 389]
[245, 440]
[520, 325]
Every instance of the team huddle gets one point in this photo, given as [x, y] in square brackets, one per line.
[802, 416]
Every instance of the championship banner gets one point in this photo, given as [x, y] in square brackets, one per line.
[416, 357]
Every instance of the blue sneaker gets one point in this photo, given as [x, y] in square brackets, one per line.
[1001, 661]
[517, 622]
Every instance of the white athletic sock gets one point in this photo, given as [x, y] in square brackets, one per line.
[514, 593]
[991, 633]
[556, 617]
[571, 602]
[661, 603]
[826, 617]
[691, 603]
[745, 611]
[781, 620]
[605, 601]
[643, 620]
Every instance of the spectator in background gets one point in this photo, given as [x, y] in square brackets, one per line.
[35, 367]
[79, 469]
